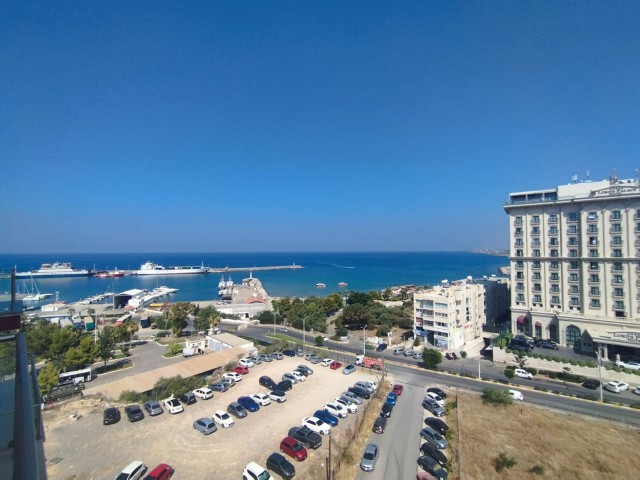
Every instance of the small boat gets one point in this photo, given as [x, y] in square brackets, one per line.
[342, 284]
[320, 285]
[35, 295]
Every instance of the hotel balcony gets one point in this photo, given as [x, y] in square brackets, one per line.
[614, 295]
[592, 219]
[619, 244]
[615, 230]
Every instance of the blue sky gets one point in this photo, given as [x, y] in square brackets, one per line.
[303, 126]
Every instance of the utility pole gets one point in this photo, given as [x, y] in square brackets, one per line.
[599, 352]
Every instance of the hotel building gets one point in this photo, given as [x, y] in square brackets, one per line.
[575, 265]
[450, 315]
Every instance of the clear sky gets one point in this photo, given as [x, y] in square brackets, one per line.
[303, 126]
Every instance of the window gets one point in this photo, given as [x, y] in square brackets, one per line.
[554, 252]
[619, 305]
[593, 240]
[520, 287]
[535, 219]
[553, 230]
[618, 292]
[555, 300]
[616, 240]
[616, 215]
[573, 265]
[555, 288]
[593, 266]
[518, 221]
[518, 230]
[536, 287]
[574, 289]
[519, 276]
[595, 278]
[535, 242]
[573, 253]
[520, 297]
[519, 263]
[536, 264]
[573, 241]
[595, 303]
[574, 301]
[519, 253]
[535, 230]
[573, 229]
[592, 229]
[536, 253]
[595, 291]
[555, 264]
[537, 298]
[553, 218]
[617, 279]
[553, 241]
[519, 243]
[573, 217]
[617, 253]
[616, 227]
[573, 277]
[617, 266]
[593, 253]
[592, 216]
[555, 276]
[536, 276]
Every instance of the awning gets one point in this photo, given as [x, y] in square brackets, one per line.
[522, 319]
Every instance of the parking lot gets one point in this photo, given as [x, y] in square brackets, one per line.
[79, 446]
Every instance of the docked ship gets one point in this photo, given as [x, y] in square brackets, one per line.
[150, 268]
[56, 269]
[110, 273]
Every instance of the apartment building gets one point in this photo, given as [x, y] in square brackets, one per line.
[497, 300]
[450, 315]
[575, 265]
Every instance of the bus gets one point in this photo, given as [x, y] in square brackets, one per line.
[76, 376]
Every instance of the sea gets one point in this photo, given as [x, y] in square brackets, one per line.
[362, 271]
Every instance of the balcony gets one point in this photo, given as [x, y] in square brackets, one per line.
[593, 281]
[620, 243]
[594, 293]
[575, 279]
[518, 234]
[617, 295]
[518, 267]
[518, 222]
[592, 218]
[593, 243]
[615, 230]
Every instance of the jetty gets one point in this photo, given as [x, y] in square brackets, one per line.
[254, 269]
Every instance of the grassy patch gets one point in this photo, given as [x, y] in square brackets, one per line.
[281, 336]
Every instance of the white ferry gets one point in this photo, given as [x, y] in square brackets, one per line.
[150, 268]
[55, 269]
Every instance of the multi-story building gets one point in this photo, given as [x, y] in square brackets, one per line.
[575, 264]
[497, 300]
[449, 315]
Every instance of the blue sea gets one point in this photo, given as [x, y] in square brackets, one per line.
[361, 271]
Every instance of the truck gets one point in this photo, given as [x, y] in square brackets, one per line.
[145, 322]
[369, 362]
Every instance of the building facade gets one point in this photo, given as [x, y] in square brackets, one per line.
[450, 315]
[575, 265]
[497, 300]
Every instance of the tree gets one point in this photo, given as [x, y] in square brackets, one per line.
[106, 344]
[178, 316]
[83, 354]
[206, 318]
[431, 358]
[62, 340]
[332, 303]
[319, 341]
[359, 298]
[355, 316]
[496, 396]
[48, 378]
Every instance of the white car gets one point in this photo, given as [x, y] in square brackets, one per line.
[616, 387]
[253, 471]
[236, 377]
[316, 425]
[334, 408]
[261, 399]
[245, 362]
[523, 373]
[290, 377]
[278, 396]
[516, 395]
[350, 406]
[629, 365]
[636, 391]
[204, 393]
[223, 419]
[434, 396]
[173, 405]
[326, 362]
[299, 377]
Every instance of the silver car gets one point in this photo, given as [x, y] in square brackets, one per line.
[276, 356]
[352, 397]
[368, 462]
[290, 377]
[205, 425]
[153, 408]
[434, 438]
[431, 405]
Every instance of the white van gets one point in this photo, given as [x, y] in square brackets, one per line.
[133, 471]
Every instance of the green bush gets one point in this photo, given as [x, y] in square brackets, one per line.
[636, 372]
[319, 341]
[547, 358]
[533, 371]
[537, 470]
[591, 364]
[564, 360]
[502, 462]
[463, 354]
[582, 363]
[535, 355]
[166, 387]
[509, 350]
[494, 396]
[509, 372]
[129, 396]
[573, 362]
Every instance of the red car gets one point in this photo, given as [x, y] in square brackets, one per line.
[397, 389]
[335, 365]
[293, 448]
[161, 472]
[240, 369]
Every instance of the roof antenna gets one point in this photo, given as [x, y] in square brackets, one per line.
[613, 178]
[574, 179]
[588, 176]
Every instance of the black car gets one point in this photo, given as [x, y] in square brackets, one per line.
[519, 347]
[381, 347]
[591, 383]
[548, 344]
[237, 410]
[267, 382]
[284, 386]
[432, 451]
[438, 391]
[111, 416]
[188, 398]
[430, 465]
[280, 465]
[134, 413]
[306, 437]
[386, 410]
[379, 425]
[361, 392]
[437, 424]
[289, 353]
[219, 387]
[306, 371]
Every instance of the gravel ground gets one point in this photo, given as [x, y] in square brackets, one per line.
[78, 446]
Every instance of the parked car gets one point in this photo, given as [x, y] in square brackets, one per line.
[438, 391]
[548, 344]
[265, 358]
[246, 362]
[391, 399]
[636, 391]
[516, 395]
[361, 392]
[630, 365]
[436, 397]
[349, 369]
[398, 389]
[305, 369]
[284, 385]
[293, 448]
[58, 392]
[437, 424]
[276, 355]
[134, 413]
[398, 351]
[352, 397]
[369, 458]
[316, 425]
[153, 408]
[160, 472]
[431, 465]
[381, 347]
[204, 425]
[326, 362]
[334, 365]
[306, 437]
[267, 382]
[520, 372]
[204, 393]
[249, 403]
[431, 405]
[327, 417]
[300, 353]
[431, 450]
[219, 386]
[110, 416]
[223, 419]
[253, 471]
[173, 405]
[386, 410]
[289, 353]
[591, 383]
[241, 369]
[280, 465]
[261, 399]
[433, 437]
[616, 386]
[313, 358]
[334, 408]
[519, 347]
[133, 471]
[379, 425]
[237, 410]
[291, 377]
[278, 396]
[299, 376]
[236, 377]
[369, 386]
[350, 406]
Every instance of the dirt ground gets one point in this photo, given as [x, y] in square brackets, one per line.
[78, 446]
[560, 446]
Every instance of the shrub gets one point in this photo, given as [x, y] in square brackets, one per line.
[431, 358]
[636, 372]
[509, 350]
[319, 341]
[509, 372]
[463, 354]
[591, 364]
[165, 387]
[537, 470]
[582, 363]
[511, 367]
[534, 371]
[564, 360]
[535, 355]
[416, 342]
[494, 396]
[573, 362]
[174, 349]
[129, 396]
[502, 462]
[547, 358]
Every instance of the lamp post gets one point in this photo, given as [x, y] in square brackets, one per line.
[275, 312]
[598, 351]
[304, 334]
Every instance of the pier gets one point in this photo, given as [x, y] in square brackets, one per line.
[254, 269]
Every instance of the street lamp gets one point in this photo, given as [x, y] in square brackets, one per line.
[275, 312]
[599, 353]
[304, 334]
